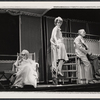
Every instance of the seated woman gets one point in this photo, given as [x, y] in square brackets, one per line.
[26, 71]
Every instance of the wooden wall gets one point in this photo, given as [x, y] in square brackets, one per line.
[31, 39]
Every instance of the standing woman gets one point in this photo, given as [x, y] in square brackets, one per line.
[58, 51]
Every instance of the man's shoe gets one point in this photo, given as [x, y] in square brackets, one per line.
[91, 82]
[98, 74]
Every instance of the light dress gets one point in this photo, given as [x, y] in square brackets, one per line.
[57, 53]
[26, 73]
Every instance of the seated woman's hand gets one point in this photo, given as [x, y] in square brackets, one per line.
[18, 58]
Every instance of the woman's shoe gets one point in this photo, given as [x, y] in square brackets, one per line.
[54, 71]
[59, 73]
[97, 73]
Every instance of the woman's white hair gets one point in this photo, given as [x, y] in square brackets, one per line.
[26, 52]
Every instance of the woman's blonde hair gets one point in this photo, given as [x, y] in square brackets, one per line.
[58, 19]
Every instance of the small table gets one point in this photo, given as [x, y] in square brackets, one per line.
[6, 74]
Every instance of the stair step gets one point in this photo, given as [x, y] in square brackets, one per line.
[69, 70]
[67, 77]
[69, 64]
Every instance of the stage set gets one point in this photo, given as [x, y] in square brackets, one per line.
[31, 29]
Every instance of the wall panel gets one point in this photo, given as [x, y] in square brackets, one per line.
[31, 39]
[94, 28]
[76, 25]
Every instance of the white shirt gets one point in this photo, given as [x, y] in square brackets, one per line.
[79, 41]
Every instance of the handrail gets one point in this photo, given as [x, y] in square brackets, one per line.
[7, 61]
[9, 55]
[73, 54]
[77, 33]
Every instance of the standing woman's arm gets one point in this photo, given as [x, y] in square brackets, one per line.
[54, 33]
[55, 36]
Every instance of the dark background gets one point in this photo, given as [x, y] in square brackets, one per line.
[9, 31]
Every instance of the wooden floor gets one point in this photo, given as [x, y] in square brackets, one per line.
[70, 87]
[94, 87]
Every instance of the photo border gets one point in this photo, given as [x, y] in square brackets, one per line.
[52, 95]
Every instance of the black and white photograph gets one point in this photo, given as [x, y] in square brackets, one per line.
[50, 47]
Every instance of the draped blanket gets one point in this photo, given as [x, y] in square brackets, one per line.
[26, 74]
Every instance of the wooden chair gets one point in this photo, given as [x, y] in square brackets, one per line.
[31, 56]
